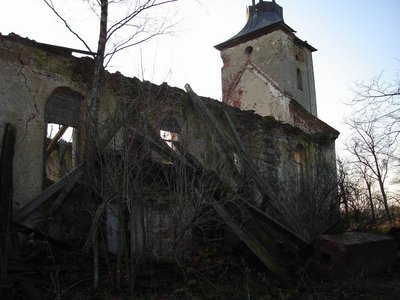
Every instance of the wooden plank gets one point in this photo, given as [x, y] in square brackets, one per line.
[274, 224]
[6, 193]
[248, 163]
[46, 194]
[67, 188]
[227, 142]
[221, 140]
[52, 144]
[254, 245]
[95, 225]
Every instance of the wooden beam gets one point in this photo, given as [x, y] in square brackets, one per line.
[248, 163]
[56, 138]
[253, 243]
[275, 225]
[46, 194]
[95, 225]
[6, 194]
[230, 141]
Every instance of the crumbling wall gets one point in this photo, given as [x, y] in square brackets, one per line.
[28, 77]
[272, 145]
[31, 74]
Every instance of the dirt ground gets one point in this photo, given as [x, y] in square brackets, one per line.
[46, 271]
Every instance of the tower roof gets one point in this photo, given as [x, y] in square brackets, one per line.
[263, 17]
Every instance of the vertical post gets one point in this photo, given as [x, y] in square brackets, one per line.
[6, 191]
[95, 262]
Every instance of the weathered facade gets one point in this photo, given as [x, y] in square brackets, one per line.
[273, 117]
[266, 66]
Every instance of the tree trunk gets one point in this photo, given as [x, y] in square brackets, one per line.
[382, 187]
[371, 203]
[384, 199]
[91, 145]
[93, 114]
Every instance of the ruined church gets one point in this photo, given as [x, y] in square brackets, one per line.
[171, 164]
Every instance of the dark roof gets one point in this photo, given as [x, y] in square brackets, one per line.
[264, 17]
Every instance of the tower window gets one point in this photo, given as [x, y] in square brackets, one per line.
[248, 50]
[299, 80]
[300, 168]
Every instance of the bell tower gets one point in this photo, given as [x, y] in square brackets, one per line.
[266, 66]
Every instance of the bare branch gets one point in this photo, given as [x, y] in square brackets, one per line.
[51, 6]
[149, 4]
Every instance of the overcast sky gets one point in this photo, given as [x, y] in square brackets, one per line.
[356, 40]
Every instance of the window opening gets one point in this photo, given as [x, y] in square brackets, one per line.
[299, 166]
[62, 115]
[170, 132]
[248, 50]
[299, 159]
[299, 80]
[171, 138]
[59, 150]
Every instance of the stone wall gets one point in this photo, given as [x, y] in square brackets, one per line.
[292, 159]
[29, 76]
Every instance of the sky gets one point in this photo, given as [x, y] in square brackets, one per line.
[356, 40]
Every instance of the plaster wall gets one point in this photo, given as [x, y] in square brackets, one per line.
[28, 77]
[278, 56]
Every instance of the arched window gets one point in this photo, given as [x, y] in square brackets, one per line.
[299, 79]
[62, 117]
[300, 168]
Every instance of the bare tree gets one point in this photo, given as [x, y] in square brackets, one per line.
[357, 197]
[375, 130]
[138, 26]
[373, 151]
[379, 100]
[344, 186]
